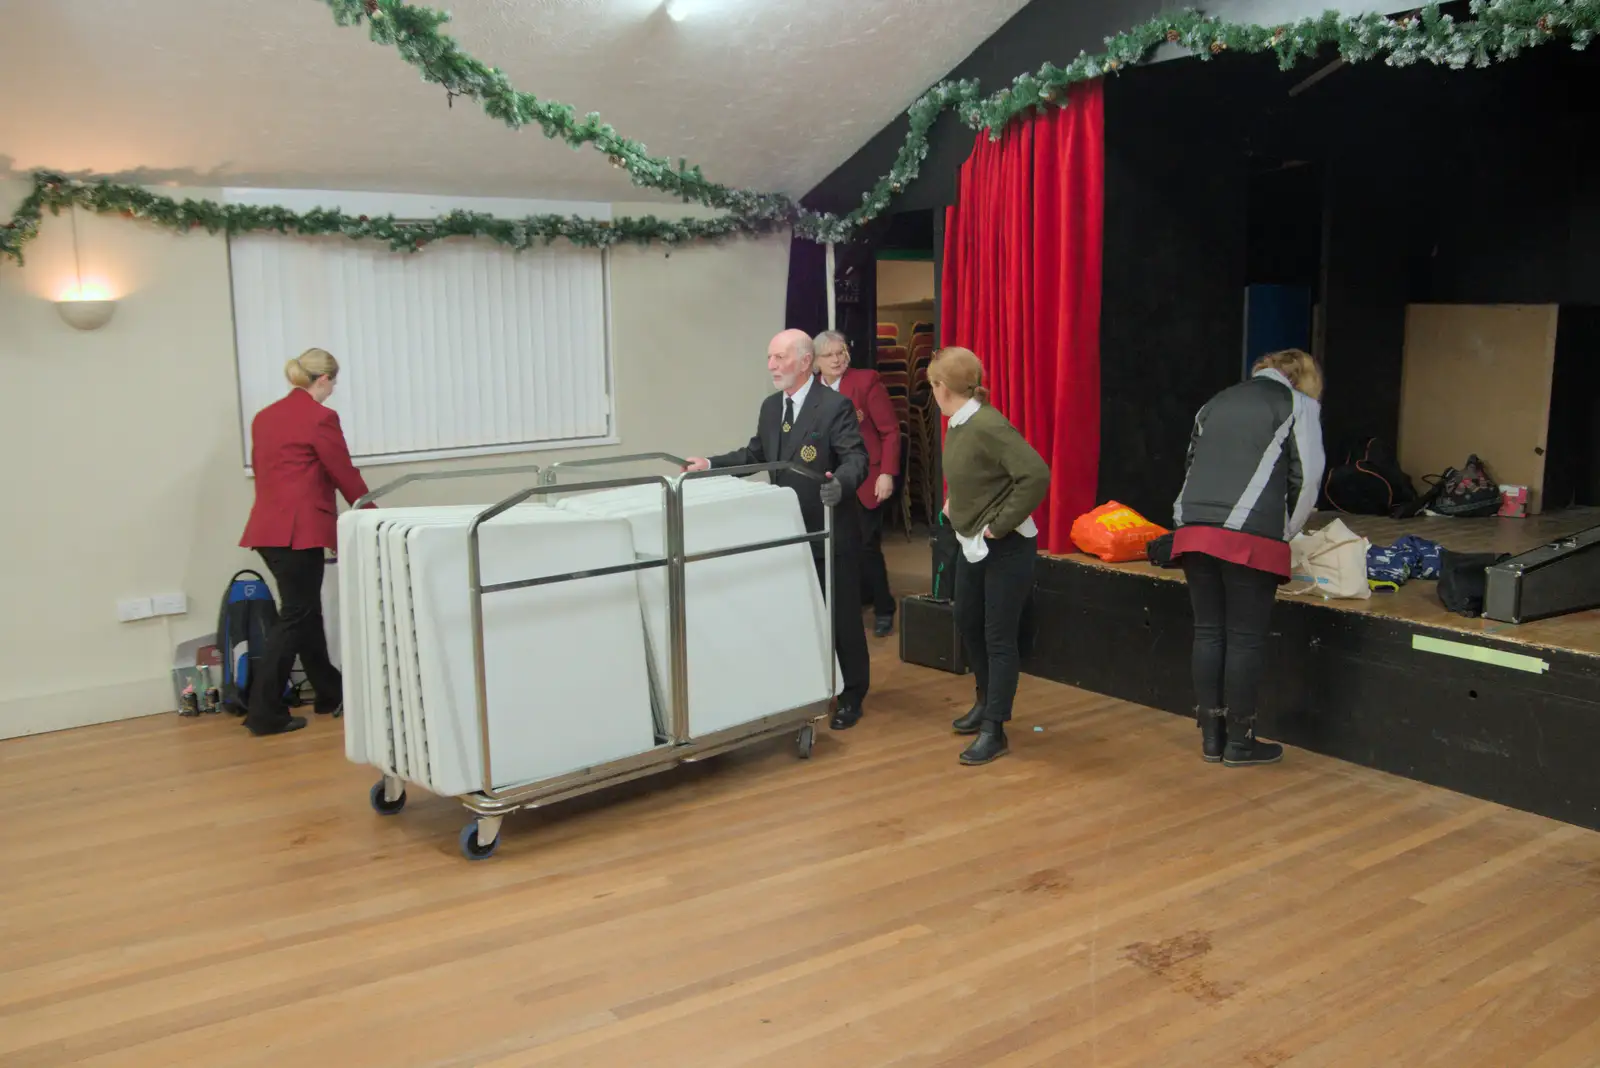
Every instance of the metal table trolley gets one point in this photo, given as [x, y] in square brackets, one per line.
[480, 837]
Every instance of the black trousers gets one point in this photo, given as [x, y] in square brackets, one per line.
[1232, 610]
[299, 633]
[990, 597]
[849, 633]
[874, 572]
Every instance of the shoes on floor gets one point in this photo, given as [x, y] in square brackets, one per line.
[293, 723]
[972, 722]
[845, 717]
[990, 745]
[1213, 734]
[1244, 750]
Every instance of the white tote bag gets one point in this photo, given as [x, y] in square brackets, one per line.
[1331, 562]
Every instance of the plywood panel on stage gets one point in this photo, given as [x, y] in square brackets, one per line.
[1418, 600]
[1476, 380]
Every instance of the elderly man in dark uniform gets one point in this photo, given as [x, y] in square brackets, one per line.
[807, 423]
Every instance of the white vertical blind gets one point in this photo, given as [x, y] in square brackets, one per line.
[463, 347]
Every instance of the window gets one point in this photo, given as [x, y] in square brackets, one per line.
[464, 348]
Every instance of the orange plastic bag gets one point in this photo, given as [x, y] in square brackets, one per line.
[1114, 532]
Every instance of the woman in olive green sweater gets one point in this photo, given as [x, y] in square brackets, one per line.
[995, 481]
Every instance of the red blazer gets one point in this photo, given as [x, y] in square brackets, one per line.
[880, 428]
[300, 456]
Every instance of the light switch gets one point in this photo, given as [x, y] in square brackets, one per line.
[170, 604]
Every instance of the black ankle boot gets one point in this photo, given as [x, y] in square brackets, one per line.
[1213, 734]
[1243, 749]
[989, 745]
[973, 720]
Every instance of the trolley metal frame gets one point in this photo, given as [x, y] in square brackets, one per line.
[481, 836]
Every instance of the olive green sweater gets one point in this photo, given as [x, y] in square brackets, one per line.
[996, 479]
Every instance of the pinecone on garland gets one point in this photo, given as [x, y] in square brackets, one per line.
[1173, 37]
[1217, 48]
[371, 6]
[1543, 24]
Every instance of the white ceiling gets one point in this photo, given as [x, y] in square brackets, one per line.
[767, 94]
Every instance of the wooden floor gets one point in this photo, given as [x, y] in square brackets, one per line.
[1418, 600]
[176, 894]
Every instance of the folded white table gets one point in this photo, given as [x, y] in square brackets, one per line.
[516, 655]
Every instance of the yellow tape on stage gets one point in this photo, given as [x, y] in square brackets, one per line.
[1493, 657]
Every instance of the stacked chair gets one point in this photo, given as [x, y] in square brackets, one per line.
[904, 372]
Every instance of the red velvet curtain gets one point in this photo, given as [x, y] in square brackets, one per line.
[1021, 288]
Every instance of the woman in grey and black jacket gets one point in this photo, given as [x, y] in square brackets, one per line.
[1254, 468]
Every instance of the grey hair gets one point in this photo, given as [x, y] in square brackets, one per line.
[829, 338]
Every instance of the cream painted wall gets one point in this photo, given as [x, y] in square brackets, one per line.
[122, 474]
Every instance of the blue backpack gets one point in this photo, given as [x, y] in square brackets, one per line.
[248, 613]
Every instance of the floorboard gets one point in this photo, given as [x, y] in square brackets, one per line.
[177, 894]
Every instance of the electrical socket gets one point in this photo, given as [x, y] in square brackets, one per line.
[170, 604]
[133, 608]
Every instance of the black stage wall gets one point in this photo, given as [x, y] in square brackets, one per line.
[1428, 185]
[1345, 684]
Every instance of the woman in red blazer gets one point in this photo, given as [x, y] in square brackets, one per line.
[881, 431]
[300, 456]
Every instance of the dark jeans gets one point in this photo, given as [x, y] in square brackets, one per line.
[990, 597]
[299, 633]
[1232, 610]
[874, 572]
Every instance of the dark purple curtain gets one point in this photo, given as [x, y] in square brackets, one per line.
[807, 305]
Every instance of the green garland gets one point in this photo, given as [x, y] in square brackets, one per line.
[1498, 30]
[54, 192]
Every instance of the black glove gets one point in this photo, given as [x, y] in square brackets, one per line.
[832, 493]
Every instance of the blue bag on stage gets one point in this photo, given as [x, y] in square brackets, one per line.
[1410, 557]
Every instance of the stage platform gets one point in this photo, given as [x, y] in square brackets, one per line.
[1505, 712]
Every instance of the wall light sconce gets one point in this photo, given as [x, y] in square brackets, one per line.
[86, 314]
[84, 308]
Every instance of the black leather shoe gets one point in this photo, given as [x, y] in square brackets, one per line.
[845, 717]
[883, 626]
[293, 723]
[972, 721]
[989, 745]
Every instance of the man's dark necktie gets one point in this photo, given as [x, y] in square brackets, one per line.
[788, 417]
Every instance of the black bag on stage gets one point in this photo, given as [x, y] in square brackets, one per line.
[1159, 551]
[1462, 580]
[1370, 482]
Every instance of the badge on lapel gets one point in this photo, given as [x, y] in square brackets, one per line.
[808, 453]
[861, 416]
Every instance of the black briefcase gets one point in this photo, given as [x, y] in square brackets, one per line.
[928, 635]
[1552, 580]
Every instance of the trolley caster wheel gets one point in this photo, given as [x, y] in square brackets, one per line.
[469, 843]
[382, 805]
[808, 735]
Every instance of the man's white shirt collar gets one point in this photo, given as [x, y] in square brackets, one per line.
[799, 396]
